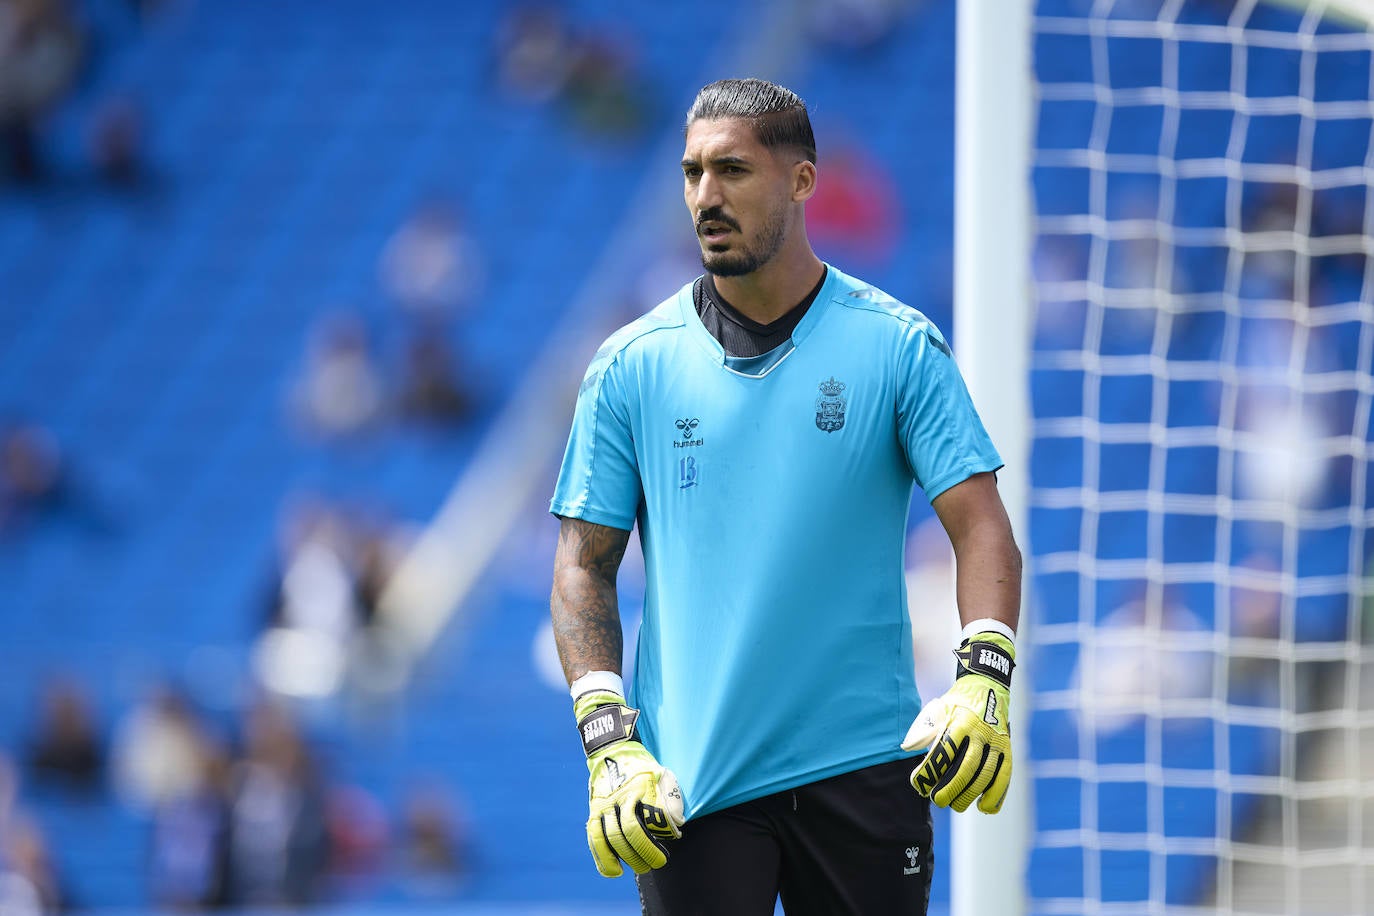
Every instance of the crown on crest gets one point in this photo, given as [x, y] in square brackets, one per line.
[831, 388]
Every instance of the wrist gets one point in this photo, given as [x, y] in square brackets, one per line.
[986, 625]
[597, 680]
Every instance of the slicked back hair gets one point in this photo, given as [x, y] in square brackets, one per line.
[778, 115]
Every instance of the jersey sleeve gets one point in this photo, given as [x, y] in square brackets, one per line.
[599, 480]
[940, 431]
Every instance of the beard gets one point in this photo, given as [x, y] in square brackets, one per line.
[747, 258]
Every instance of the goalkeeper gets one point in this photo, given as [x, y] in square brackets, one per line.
[764, 426]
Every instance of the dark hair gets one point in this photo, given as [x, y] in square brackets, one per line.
[778, 115]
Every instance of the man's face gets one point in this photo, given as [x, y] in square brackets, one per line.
[738, 193]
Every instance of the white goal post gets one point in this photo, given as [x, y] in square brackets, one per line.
[992, 314]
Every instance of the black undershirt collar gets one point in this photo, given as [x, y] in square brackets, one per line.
[740, 335]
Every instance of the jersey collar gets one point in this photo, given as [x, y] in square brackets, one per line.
[756, 366]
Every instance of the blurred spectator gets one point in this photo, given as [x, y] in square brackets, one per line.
[65, 748]
[278, 848]
[359, 838]
[116, 143]
[41, 51]
[379, 552]
[854, 214]
[323, 628]
[430, 387]
[431, 267]
[28, 880]
[32, 475]
[1281, 457]
[541, 59]
[1340, 213]
[314, 612]
[190, 838]
[605, 90]
[534, 53]
[29, 885]
[433, 860]
[340, 390]
[1254, 618]
[316, 591]
[1142, 655]
[158, 751]
[1270, 223]
[147, 9]
[852, 24]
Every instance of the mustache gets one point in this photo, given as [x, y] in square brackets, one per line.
[715, 215]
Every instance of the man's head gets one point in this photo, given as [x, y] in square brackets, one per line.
[748, 168]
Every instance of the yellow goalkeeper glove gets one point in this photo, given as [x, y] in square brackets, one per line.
[968, 730]
[636, 805]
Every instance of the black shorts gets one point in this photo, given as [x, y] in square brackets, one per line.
[857, 844]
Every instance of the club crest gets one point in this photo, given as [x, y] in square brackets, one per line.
[830, 406]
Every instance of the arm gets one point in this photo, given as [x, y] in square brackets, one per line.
[586, 614]
[636, 805]
[987, 561]
[967, 731]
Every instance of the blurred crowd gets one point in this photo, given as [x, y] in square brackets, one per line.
[231, 813]
[324, 633]
[590, 74]
[47, 53]
[34, 480]
[430, 272]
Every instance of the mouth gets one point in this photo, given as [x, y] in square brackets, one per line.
[713, 231]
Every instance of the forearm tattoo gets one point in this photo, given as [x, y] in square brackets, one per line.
[586, 615]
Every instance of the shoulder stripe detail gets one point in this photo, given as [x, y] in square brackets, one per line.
[664, 316]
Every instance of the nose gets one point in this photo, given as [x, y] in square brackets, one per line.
[707, 194]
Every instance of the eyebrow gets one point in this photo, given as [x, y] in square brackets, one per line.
[717, 161]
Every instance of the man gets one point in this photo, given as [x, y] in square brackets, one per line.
[764, 427]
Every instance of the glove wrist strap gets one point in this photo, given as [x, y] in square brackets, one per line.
[986, 658]
[606, 725]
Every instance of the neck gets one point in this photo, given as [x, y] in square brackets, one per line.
[775, 288]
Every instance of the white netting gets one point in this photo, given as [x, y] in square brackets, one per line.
[1203, 734]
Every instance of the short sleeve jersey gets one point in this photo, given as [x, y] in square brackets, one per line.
[771, 495]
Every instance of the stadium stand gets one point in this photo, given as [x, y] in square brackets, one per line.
[155, 332]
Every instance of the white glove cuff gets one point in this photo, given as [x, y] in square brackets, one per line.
[597, 680]
[981, 625]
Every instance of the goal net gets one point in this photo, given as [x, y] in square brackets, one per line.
[1202, 728]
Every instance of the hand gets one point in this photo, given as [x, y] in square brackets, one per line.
[968, 730]
[636, 805]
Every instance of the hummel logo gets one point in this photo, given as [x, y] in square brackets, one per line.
[912, 853]
[687, 427]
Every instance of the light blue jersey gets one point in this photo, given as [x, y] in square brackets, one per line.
[771, 495]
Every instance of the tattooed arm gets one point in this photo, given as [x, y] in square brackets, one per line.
[586, 615]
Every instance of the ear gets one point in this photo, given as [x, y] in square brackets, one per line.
[803, 181]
